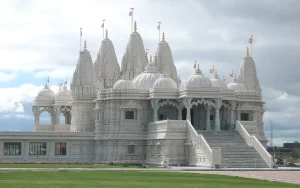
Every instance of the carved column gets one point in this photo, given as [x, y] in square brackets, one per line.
[188, 105]
[155, 107]
[56, 111]
[218, 104]
[179, 108]
[232, 114]
[36, 113]
[208, 108]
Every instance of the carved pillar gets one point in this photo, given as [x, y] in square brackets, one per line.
[56, 112]
[36, 113]
[188, 105]
[232, 114]
[208, 108]
[155, 107]
[218, 104]
[179, 108]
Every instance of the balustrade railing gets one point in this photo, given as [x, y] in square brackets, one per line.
[199, 139]
[253, 141]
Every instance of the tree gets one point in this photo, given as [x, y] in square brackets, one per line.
[295, 153]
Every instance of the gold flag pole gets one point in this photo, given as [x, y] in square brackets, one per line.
[158, 31]
[103, 28]
[131, 19]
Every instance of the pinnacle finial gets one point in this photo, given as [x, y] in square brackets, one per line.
[106, 34]
[247, 50]
[163, 36]
[85, 44]
[135, 27]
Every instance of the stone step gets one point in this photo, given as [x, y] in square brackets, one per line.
[235, 152]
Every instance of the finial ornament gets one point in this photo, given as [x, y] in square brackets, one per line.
[247, 50]
[106, 34]
[135, 27]
[163, 36]
[85, 44]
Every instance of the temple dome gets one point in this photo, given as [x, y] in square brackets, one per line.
[198, 80]
[165, 83]
[236, 86]
[46, 93]
[217, 82]
[123, 84]
[146, 79]
[63, 94]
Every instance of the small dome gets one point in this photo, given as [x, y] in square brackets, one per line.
[146, 79]
[46, 92]
[123, 84]
[198, 80]
[235, 86]
[63, 94]
[217, 82]
[165, 83]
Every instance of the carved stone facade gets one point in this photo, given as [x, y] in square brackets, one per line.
[149, 120]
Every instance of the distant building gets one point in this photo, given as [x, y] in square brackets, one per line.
[291, 145]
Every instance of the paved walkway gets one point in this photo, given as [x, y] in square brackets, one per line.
[281, 176]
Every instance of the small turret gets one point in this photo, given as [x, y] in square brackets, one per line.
[83, 92]
[134, 60]
[106, 65]
[248, 75]
[164, 59]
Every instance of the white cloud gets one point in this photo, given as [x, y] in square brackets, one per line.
[57, 73]
[12, 98]
[5, 77]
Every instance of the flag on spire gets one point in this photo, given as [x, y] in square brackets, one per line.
[158, 27]
[212, 70]
[231, 75]
[195, 66]
[131, 12]
[102, 25]
[251, 40]
[80, 31]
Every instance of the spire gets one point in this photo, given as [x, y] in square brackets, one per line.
[85, 45]
[135, 28]
[247, 51]
[106, 34]
[163, 36]
[150, 58]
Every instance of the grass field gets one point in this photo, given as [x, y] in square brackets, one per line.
[112, 179]
[70, 166]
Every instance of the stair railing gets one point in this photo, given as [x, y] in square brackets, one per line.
[253, 141]
[200, 140]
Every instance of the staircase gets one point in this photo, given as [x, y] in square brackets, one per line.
[235, 151]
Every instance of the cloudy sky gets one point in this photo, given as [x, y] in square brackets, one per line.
[41, 38]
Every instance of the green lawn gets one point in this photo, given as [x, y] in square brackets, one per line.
[112, 179]
[70, 166]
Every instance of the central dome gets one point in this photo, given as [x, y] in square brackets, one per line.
[146, 79]
[198, 80]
